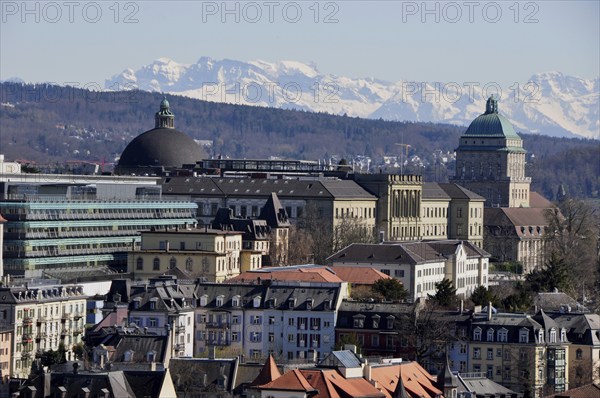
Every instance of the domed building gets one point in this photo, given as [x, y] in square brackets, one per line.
[159, 149]
[490, 160]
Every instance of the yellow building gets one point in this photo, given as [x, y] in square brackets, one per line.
[212, 254]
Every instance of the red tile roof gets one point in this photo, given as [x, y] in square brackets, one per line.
[305, 275]
[268, 373]
[587, 391]
[359, 275]
[290, 381]
[417, 381]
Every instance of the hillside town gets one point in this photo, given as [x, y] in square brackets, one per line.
[178, 275]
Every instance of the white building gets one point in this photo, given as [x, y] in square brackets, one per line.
[43, 317]
[420, 265]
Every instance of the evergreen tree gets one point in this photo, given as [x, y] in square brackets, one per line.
[445, 295]
[390, 289]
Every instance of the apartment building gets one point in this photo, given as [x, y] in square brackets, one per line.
[42, 317]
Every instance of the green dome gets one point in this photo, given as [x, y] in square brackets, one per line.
[491, 124]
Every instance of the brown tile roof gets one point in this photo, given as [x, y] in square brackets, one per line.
[527, 221]
[331, 384]
[537, 200]
[268, 373]
[290, 381]
[359, 275]
[587, 391]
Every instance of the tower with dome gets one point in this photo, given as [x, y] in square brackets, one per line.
[490, 160]
[161, 149]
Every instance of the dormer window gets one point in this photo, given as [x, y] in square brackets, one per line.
[128, 356]
[203, 300]
[136, 303]
[151, 356]
[563, 335]
[153, 303]
[502, 335]
[490, 335]
[235, 301]
[477, 334]
[220, 300]
[376, 319]
[291, 303]
[256, 303]
[390, 322]
[359, 321]
[552, 335]
[309, 304]
[524, 335]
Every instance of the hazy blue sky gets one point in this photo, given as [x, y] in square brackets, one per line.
[480, 41]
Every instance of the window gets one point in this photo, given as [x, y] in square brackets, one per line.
[524, 335]
[359, 321]
[490, 353]
[390, 322]
[291, 321]
[156, 264]
[139, 265]
[256, 319]
[189, 263]
[375, 340]
[152, 322]
[477, 334]
[271, 320]
[579, 354]
[490, 335]
[271, 337]
[499, 352]
[220, 301]
[502, 335]
[235, 319]
[291, 337]
[476, 353]
[463, 348]
[399, 273]
[552, 335]
[172, 263]
[490, 372]
[376, 321]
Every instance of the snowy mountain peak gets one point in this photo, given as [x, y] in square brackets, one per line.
[549, 103]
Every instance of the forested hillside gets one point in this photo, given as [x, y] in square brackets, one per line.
[46, 124]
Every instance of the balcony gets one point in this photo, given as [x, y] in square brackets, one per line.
[28, 320]
[40, 335]
[179, 347]
[77, 331]
[65, 316]
[27, 338]
[219, 342]
[218, 325]
[179, 329]
[64, 331]
[41, 319]
[78, 315]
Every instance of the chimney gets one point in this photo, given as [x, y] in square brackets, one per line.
[62, 392]
[75, 368]
[489, 311]
[85, 392]
[350, 347]
[211, 352]
[462, 306]
[368, 372]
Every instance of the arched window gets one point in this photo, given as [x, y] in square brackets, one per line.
[139, 264]
[172, 263]
[189, 263]
[156, 264]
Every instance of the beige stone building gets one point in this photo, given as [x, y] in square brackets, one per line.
[490, 160]
[215, 255]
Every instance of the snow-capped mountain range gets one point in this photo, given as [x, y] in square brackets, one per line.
[548, 103]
